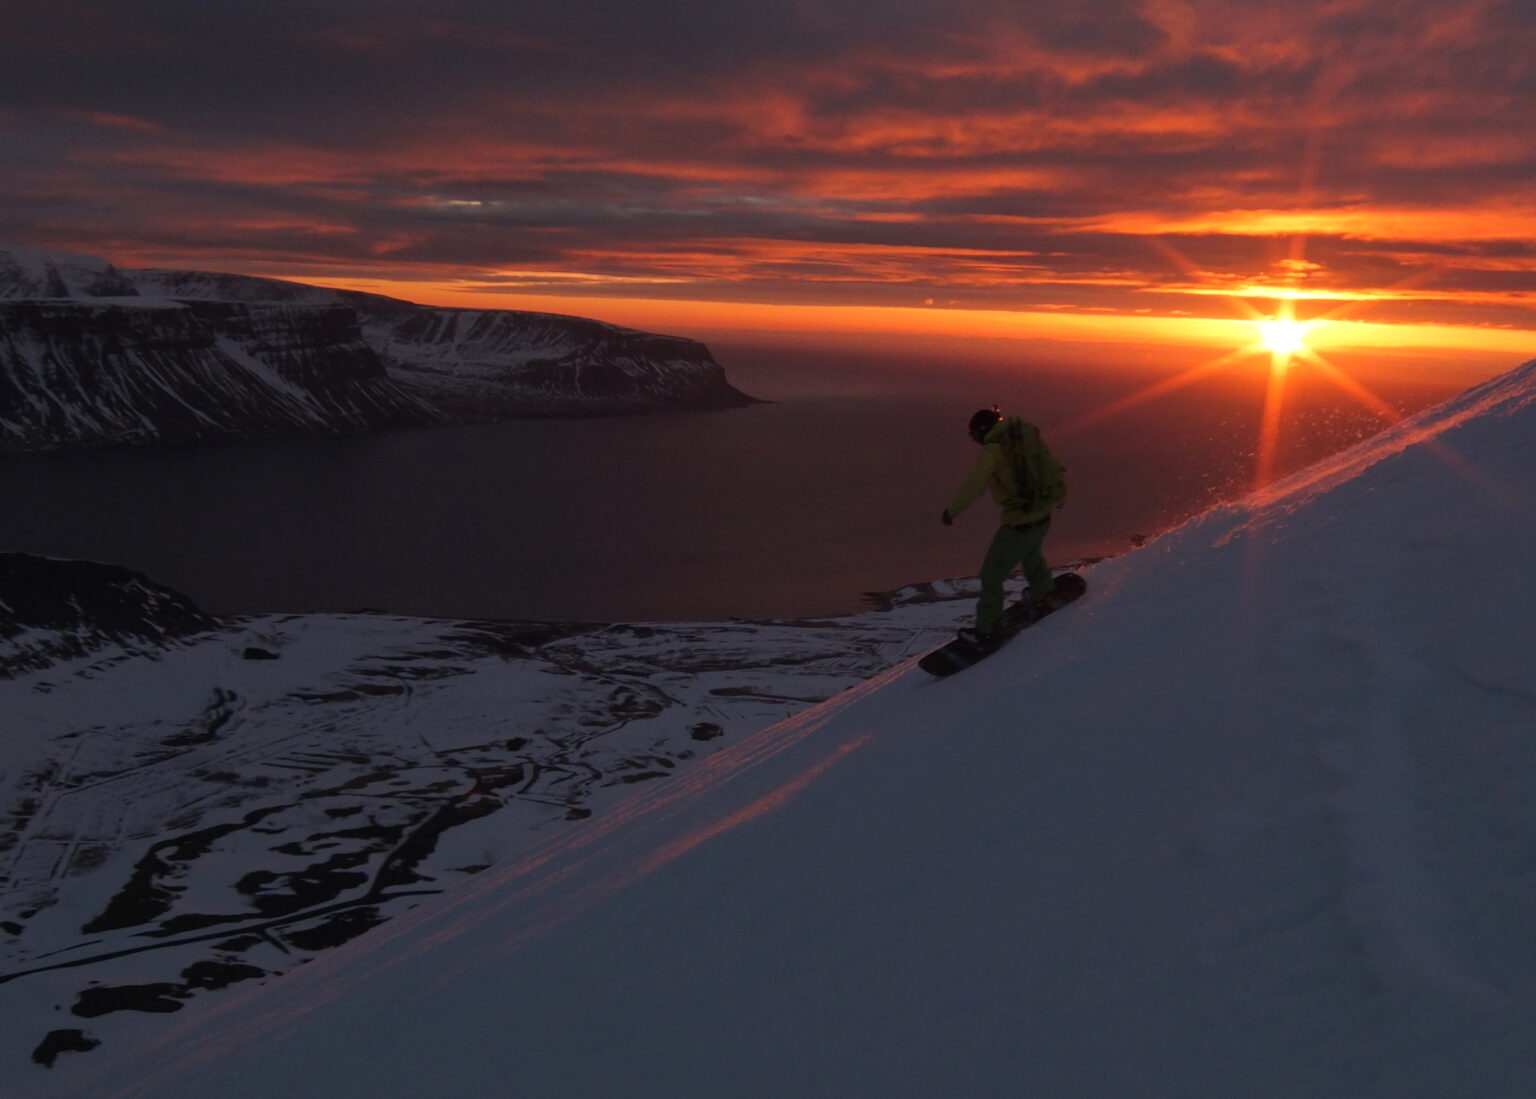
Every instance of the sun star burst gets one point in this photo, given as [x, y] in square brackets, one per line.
[1283, 337]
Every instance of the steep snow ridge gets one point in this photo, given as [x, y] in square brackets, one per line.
[1499, 398]
[1253, 818]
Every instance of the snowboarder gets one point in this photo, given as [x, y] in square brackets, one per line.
[1027, 482]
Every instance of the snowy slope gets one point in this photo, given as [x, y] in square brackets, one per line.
[191, 803]
[1255, 818]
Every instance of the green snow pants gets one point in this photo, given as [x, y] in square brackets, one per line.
[1012, 546]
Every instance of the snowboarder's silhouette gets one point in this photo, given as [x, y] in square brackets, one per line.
[1027, 482]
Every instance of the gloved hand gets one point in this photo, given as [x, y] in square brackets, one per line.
[947, 519]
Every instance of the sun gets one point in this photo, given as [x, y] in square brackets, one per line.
[1283, 337]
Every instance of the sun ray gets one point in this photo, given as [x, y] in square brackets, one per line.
[1350, 307]
[1191, 271]
[1269, 422]
[1439, 447]
[1149, 393]
[1349, 385]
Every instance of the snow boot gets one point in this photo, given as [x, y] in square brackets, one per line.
[982, 642]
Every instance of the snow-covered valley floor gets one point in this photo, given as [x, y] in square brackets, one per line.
[181, 821]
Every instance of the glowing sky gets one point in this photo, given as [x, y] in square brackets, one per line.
[1138, 158]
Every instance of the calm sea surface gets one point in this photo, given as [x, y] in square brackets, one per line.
[792, 508]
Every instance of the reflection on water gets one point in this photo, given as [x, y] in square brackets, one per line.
[786, 509]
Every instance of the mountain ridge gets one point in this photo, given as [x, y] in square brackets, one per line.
[94, 355]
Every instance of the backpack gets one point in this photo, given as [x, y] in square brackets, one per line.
[1041, 479]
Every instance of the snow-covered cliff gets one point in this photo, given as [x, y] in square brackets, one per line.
[92, 355]
[81, 373]
[38, 273]
[478, 364]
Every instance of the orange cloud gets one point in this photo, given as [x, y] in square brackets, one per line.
[1362, 220]
[106, 121]
[1097, 328]
[959, 152]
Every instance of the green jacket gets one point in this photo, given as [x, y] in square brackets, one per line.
[1010, 446]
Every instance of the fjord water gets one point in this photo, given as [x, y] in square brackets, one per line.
[786, 509]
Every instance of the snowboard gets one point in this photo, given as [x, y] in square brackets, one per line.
[959, 655]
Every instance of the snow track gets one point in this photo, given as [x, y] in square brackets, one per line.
[1411, 923]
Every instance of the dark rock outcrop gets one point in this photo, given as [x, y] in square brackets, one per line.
[53, 610]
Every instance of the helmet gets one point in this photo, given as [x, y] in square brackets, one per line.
[983, 422]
